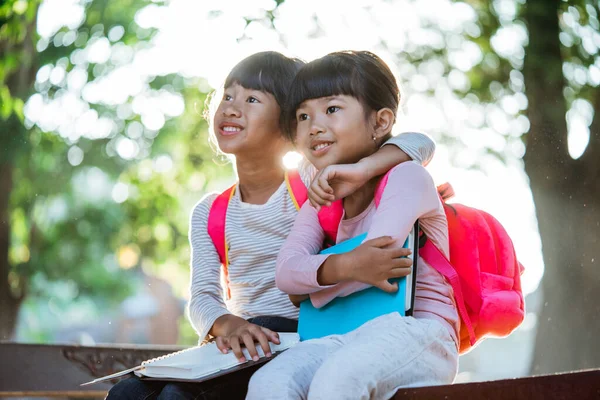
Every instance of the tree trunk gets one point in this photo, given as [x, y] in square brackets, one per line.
[13, 142]
[567, 203]
[9, 303]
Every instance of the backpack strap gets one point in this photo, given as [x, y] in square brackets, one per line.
[437, 260]
[218, 215]
[296, 188]
[330, 217]
[216, 230]
[381, 187]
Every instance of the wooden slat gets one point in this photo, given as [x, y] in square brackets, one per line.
[573, 385]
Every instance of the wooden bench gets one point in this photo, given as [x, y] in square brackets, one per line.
[28, 370]
[32, 370]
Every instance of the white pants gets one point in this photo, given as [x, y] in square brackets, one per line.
[371, 362]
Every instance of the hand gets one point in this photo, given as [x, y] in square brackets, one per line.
[245, 335]
[336, 182]
[376, 261]
[296, 299]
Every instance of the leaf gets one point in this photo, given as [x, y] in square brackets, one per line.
[18, 106]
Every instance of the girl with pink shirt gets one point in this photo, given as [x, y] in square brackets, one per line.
[341, 108]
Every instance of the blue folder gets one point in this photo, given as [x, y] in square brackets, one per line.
[344, 314]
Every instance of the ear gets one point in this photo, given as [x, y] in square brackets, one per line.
[384, 121]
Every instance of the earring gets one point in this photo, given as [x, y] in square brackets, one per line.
[374, 138]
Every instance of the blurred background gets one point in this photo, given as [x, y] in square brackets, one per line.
[104, 151]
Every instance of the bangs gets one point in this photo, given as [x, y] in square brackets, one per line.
[251, 77]
[328, 76]
[269, 72]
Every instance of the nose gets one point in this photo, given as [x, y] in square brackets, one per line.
[231, 110]
[316, 128]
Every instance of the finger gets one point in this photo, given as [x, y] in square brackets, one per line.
[234, 342]
[320, 189]
[313, 203]
[399, 272]
[400, 252]
[273, 336]
[263, 340]
[248, 339]
[388, 287]
[401, 263]
[316, 195]
[326, 187]
[325, 199]
[380, 242]
[222, 344]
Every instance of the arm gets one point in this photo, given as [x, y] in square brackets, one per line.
[339, 181]
[410, 194]
[298, 259]
[416, 146]
[409, 146]
[206, 310]
[410, 186]
[206, 305]
[300, 270]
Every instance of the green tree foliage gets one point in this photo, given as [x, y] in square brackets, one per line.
[61, 221]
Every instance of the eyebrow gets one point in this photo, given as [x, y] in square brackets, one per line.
[325, 99]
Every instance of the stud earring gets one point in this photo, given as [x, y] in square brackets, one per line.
[374, 138]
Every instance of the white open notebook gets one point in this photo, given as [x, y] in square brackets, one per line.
[197, 362]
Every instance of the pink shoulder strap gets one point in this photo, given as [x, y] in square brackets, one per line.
[437, 260]
[296, 188]
[330, 217]
[381, 187]
[216, 229]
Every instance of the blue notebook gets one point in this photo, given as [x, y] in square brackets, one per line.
[345, 314]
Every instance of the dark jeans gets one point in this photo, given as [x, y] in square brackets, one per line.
[228, 387]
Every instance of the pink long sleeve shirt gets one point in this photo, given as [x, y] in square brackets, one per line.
[410, 194]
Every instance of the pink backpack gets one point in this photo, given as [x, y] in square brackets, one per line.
[218, 214]
[483, 268]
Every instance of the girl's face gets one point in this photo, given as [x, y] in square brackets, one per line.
[334, 130]
[247, 122]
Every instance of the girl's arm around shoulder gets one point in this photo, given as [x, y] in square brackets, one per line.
[299, 259]
[206, 303]
[417, 146]
[338, 181]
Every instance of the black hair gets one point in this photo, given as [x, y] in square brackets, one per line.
[268, 71]
[360, 74]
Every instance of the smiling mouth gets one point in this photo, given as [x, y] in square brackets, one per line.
[230, 129]
[321, 146]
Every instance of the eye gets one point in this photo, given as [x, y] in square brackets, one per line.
[302, 117]
[252, 99]
[227, 97]
[332, 109]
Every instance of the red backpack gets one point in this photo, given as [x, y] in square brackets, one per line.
[218, 214]
[483, 269]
